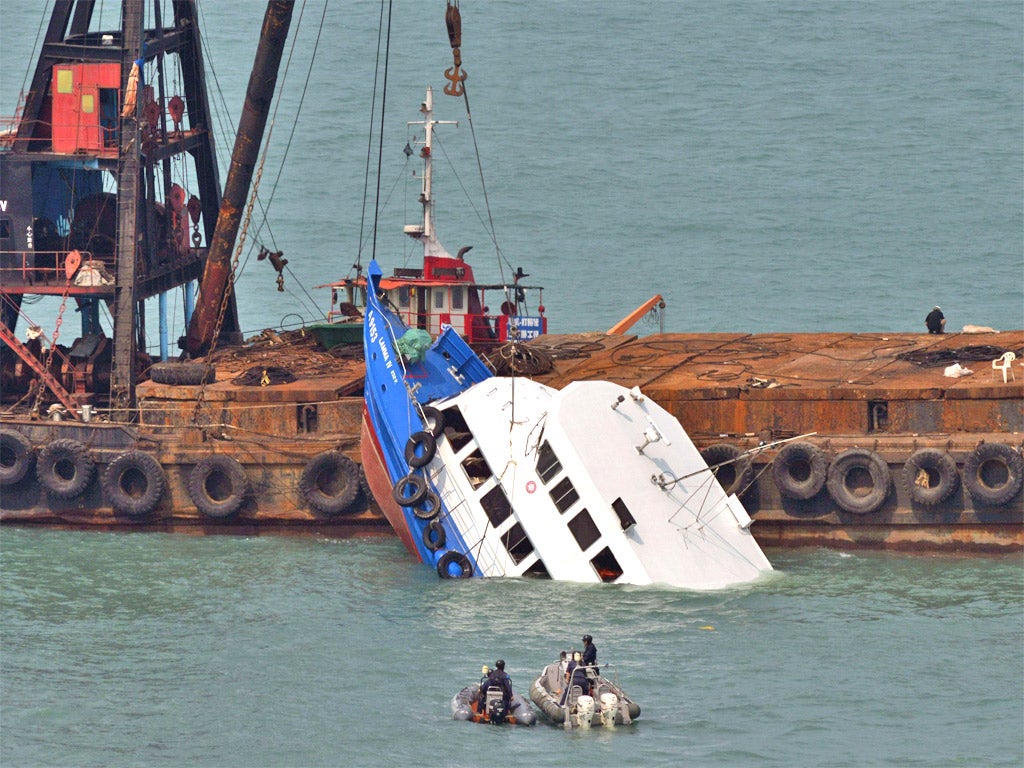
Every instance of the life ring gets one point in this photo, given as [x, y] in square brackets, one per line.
[429, 507]
[930, 476]
[218, 485]
[736, 475]
[859, 480]
[134, 482]
[993, 473]
[409, 491]
[64, 468]
[434, 537]
[452, 560]
[420, 449]
[433, 420]
[800, 470]
[16, 456]
[330, 482]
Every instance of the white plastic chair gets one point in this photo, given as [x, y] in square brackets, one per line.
[1004, 364]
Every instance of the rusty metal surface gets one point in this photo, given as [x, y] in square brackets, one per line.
[735, 388]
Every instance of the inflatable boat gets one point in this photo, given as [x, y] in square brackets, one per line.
[466, 706]
[598, 703]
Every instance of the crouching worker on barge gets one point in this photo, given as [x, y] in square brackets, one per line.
[936, 321]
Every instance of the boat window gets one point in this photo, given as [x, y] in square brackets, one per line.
[548, 464]
[497, 508]
[403, 296]
[626, 519]
[5, 229]
[477, 469]
[584, 529]
[564, 494]
[607, 567]
[456, 431]
[517, 543]
[538, 571]
[438, 298]
[457, 297]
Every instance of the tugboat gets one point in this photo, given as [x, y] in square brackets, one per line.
[443, 292]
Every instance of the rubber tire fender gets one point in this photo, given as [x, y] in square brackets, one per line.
[229, 489]
[977, 465]
[134, 483]
[859, 460]
[413, 485]
[933, 462]
[739, 474]
[16, 456]
[330, 483]
[64, 468]
[434, 536]
[417, 440]
[800, 470]
[178, 373]
[433, 420]
[452, 557]
[429, 507]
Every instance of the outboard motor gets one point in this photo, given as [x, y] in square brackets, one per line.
[609, 706]
[495, 706]
[496, 712]
[585, 710]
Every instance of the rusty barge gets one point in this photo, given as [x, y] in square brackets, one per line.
[263, 435]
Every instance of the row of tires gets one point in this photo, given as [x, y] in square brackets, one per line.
[859, 480]
[414, 493]
[134, 482]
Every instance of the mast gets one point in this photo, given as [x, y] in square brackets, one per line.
[216, 283]
[425, 232]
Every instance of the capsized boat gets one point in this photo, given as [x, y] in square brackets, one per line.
[482, 475]
[603, 703]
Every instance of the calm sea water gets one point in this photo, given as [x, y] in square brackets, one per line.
[789, 166]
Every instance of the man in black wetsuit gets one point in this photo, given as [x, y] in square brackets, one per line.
[589, 653]
[935, 321]
[498, 677]
[575, 674]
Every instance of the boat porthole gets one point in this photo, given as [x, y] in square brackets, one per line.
[429, 508]
[734, 476]
[993, 473]
[330, 482]
[454, 565]
[65, 469]
[420, 449]
[409, 491]
[134, 482]
[16, 456]
[799, 470]
[859, 481]
[434, 536]
[218, 485]
[433, 420]
[930, 476]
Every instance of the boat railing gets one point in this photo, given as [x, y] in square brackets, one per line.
[43, 270]
[485, 555]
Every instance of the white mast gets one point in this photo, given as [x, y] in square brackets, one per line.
[425, 231]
